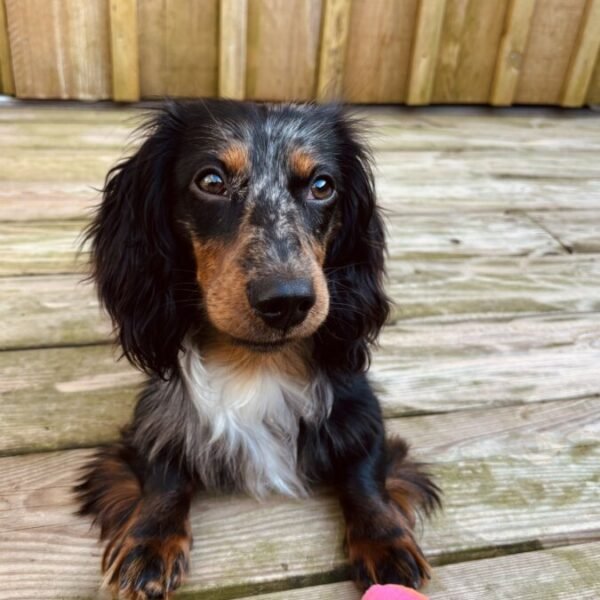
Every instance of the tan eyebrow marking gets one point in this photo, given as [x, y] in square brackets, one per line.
[236, 158]
[302, 162]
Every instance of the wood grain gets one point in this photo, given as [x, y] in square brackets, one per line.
[53, 200]
[561, 572]
[378, 57]
[577, 232]
[496, 501]
[424, 366]
[48, 311]
[428, 34]
[63, 397]
[60, 48]
[432, 367]
[57, 164]
[594, 89]
[583, 59]
[34, 248]
[333, 47]
[46, 247]
[510, 53]
[552, 37]
[178, 47]
[124, 50]
[283, 49]
[57, 310]
[233, 33]
[7, 82]
[462, 74]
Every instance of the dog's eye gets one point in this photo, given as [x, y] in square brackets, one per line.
[211, 182]
[322, 188]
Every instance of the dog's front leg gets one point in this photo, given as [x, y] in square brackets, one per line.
[380, 490]
[142, 508]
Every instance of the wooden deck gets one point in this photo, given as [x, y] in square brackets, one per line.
[490, 364]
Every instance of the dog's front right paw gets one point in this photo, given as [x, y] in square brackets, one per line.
[146, 569]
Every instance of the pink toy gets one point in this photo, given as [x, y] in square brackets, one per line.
[392, 592]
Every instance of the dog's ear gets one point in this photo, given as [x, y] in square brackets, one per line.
[354, 263]
[135, 254]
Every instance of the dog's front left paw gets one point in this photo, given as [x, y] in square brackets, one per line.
[387, 555]
[146, 569]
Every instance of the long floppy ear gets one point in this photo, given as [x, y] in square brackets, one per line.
[354, 264]
[135, 255]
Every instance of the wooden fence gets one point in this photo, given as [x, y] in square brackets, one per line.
[499, 52]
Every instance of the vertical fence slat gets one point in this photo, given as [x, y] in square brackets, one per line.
[178, 47]
[468, 49]
[428, 33]
[60, 48]
[594, 88]
[334, 37]
[7, 83]
[510, 54]
[283, 46]
[583, 60]
[552, 37]
[124, 50]
[233, 32]
[378, 56]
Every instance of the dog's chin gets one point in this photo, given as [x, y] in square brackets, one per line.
[260, 346]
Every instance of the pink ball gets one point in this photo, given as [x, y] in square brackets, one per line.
[392, 592]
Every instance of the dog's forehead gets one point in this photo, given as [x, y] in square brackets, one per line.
[278, 133]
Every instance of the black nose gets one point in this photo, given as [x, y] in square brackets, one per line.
[281, 303]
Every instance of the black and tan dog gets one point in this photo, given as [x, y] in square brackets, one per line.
[240, 253]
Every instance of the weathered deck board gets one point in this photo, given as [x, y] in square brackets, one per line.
[63, 397]
[496, 326]
[38, 247]
[46, 200]
[55, 310]
[58, 200]
[578, 231]
[57, 164]
[421, 367]
[46, 247]
[553, 574]
[399, 130]
[542, 488]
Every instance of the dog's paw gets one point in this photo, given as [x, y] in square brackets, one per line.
[146, 569]
[393, 557]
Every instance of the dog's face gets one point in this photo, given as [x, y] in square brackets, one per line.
[257, 194]
[257, 223]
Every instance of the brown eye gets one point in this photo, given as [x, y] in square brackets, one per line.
[212, 183]
[322, 188]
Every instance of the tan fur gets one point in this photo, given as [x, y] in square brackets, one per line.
[302, 163]
[224, 284]
[173, 551]
[236, 158]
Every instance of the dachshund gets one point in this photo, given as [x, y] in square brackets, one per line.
[240, 254]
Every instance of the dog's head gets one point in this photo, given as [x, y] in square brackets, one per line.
[254, 222]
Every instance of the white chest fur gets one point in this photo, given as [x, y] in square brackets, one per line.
[248, 422]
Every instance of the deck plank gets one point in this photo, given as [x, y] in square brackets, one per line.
[531, 497]
[556, 573]
[46, 247]
[60, 200]
[400, 166]
[421, 367]
[577, 231]
[63, 397]
[56, 310]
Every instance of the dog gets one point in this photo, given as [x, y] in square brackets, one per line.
[240, 254]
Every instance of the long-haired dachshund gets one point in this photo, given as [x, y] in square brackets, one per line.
[240, 254]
